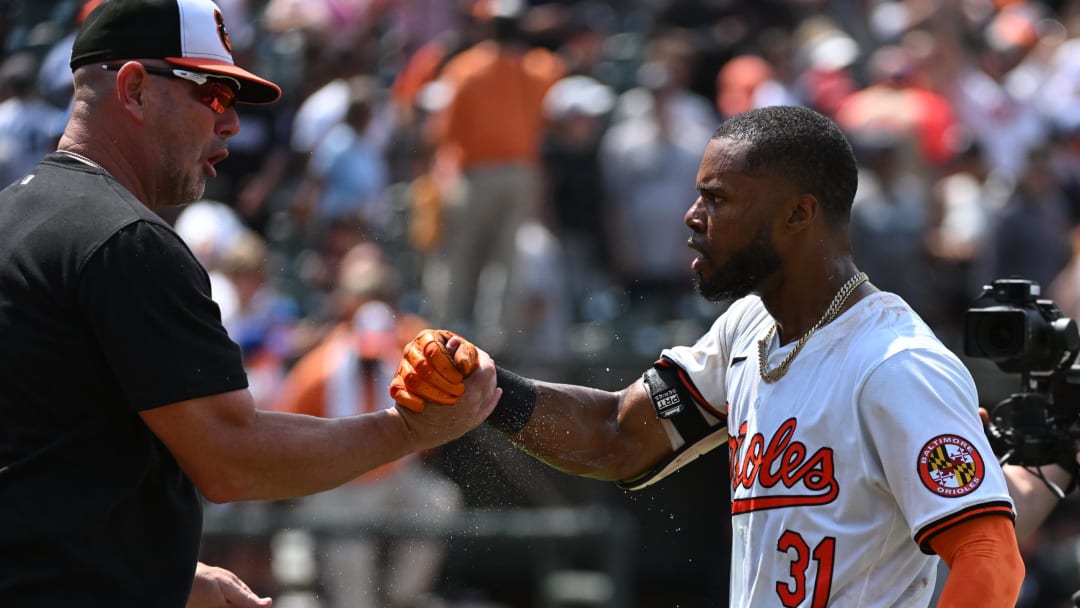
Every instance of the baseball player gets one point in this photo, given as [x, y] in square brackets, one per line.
[857, 454]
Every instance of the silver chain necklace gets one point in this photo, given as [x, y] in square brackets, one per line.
[841, 298]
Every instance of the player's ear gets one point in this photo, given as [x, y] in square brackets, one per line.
[801, 210]
[132, 85]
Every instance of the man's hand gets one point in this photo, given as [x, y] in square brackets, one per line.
[438, 424]
[433, 368]
[218, 588]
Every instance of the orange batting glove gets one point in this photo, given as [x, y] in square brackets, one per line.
[430, 372]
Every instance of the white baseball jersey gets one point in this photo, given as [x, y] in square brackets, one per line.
[844, 468]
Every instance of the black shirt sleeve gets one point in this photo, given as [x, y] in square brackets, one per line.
[147, 299]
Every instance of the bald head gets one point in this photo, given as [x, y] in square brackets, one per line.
[91, 85]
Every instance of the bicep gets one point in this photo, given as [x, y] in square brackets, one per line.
[205, 434]
[644, 432]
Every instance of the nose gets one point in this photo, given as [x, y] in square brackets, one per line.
[228, 123]
[692, 218]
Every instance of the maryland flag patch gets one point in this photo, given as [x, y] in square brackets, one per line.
[950, 466]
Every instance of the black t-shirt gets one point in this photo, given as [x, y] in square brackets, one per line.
[104, 312]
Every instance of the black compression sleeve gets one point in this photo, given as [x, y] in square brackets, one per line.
[515, 407]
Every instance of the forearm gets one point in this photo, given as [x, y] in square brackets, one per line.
[591, 432]
[234, 451]
[286, 455]
[985, 567]
[1034, 501]
[294, 455]
[560, 408]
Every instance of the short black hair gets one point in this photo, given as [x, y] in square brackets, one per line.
[802, 146]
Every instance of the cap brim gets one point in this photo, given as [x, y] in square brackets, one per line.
[252, 88]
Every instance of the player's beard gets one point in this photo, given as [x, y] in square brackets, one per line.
[743, 272]
[187, 186]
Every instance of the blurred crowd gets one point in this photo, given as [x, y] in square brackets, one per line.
[518, 171]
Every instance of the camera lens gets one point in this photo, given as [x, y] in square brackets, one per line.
[995, 333]
[1003, 337]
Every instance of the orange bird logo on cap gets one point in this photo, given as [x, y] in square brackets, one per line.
[223, 33]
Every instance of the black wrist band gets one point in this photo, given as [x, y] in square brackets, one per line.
[515, 407]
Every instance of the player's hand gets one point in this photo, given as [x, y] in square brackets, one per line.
[437, 425]
[433, 368]
[219, 588]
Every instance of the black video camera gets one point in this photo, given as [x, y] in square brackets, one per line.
[1025, 334]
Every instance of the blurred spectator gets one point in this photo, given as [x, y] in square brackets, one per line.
[650, 162]
[258, 153]
[424, 201]
[255, 313]
[989, 97]
[894, 101]
[738, 82]
[1031, 232]
[540, 303]
[210, 228]
[54, 75]
[253, 178]
[348, 373]
[668, 65]
[1061, 104]
[333, 21]
[964, 202]
[265, 321]
[1065, 165]
[777, 49]
[420, 69]
[328, 103]
[577, 109]
[1064, 290]
[412, 23]
[346, 175]
[587, 27]
[827, 56]
[493, 125]
[889, 219]
[1060, 101]
[30, 127]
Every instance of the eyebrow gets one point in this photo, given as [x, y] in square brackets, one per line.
[710, 188]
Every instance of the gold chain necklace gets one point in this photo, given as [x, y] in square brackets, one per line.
[841, 298]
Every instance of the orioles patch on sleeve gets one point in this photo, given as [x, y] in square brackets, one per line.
[950, 466]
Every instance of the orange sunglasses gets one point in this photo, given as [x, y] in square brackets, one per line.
[211, 91]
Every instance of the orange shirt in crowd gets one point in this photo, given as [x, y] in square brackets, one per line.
[496, 113]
